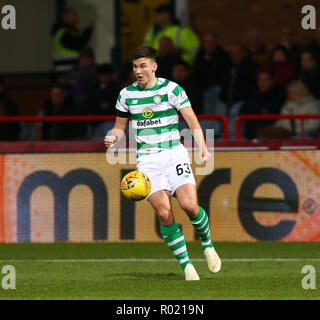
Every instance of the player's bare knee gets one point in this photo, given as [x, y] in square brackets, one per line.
[166, 218]
[165, 215]
[190, 206]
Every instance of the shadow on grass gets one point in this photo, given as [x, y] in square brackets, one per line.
[155, 276]
[146, 275]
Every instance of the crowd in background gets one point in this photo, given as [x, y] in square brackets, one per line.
[245, 78]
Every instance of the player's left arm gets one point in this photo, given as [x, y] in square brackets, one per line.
[196, 130]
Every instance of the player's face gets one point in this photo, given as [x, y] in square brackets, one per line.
[144, 70]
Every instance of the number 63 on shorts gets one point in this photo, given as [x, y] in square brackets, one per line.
[183, 168]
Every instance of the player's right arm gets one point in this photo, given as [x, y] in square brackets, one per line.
[117, 132]
[121, 123]
[181, 102]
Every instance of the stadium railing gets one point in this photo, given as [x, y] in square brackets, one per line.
[39, 119]
[222, 118]
[302, 117]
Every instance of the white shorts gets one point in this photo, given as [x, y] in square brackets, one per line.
[167, 170]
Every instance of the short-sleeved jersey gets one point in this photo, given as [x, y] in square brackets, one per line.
[154, 114]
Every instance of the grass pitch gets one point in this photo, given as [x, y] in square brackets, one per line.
[128, 270]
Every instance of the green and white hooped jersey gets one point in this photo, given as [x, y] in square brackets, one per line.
[154, 114]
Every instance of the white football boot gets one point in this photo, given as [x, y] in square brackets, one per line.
[213, 260]
[191, 273]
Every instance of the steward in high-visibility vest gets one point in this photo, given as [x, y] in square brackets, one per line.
[183, 38]
[67, 41]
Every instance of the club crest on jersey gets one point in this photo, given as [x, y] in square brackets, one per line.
[147, 113]
[157, 99]
[182, 95]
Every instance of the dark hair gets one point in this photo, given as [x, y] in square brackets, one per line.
[311, 52]
[58, 86]
[269, 73]
[144, 52]
[283, 49]
[165, 8]
[105, 68]
[168, 8]
[210, 33]
[181, 62]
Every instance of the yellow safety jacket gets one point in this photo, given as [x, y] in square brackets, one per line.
[183, 38]
[58, 50]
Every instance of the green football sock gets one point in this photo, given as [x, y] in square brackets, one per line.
[174, 238]
[201, 225]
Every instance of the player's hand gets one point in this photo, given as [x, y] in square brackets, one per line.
[109, 141]
[205, 155]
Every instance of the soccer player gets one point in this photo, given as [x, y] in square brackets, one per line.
[154, 104]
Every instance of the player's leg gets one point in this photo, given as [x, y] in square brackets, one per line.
[187, 198]
[171, 233]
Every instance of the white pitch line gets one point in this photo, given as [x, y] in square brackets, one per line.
[158, 260]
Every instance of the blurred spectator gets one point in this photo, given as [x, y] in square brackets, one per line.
[283, 70]
[101, 99]
[181, 74]
[82, 79]
[128, 76]
[211, 64]
[239, 81]
[168, 55]
[237, 86]
[8, 130]
[211, 61]
[267, 99]
[310, 72]
[256, 47]
[60, 104]
[67, 41]
[184, 38]
[314, 45]
[289, 41]
[299, 102]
